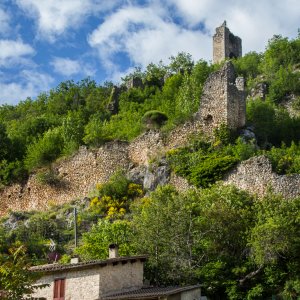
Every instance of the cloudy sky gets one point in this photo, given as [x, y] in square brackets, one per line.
[44, 42]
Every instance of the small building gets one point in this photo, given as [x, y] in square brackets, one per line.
[113, 278]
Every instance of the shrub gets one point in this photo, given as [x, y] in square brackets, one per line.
[48, 177]
[44, 150]
[154, 119]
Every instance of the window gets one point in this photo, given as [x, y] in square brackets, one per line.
[59, 289]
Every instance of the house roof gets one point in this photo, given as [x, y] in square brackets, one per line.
[149, 292]
[85, 265]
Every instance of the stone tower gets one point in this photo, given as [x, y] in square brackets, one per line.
[223, 100]
[225, 44]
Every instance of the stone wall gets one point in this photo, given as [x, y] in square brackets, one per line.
[91, 283]
[222, 101]
[78, 175]
[145, 147]
[225, 44]
[255, 175]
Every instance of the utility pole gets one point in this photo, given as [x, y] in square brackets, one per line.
[75, 226]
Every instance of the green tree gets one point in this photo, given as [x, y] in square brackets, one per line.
[44, 150]
[164, 229]
[16, 280]
[181, 62]
[95, 243]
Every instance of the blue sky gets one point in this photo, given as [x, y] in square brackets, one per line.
[44, 42]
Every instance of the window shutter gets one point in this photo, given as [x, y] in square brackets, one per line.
[59, 289]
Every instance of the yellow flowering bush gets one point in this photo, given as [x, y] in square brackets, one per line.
[114, 197]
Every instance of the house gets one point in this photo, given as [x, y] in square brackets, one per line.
[110, 279]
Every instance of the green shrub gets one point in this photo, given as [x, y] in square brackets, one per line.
[210, 170]
[48, 177]
[44, 150]
[154, 119]
[202, 167]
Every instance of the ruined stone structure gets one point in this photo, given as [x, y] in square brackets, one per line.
[223, 100]
[134, 82]
[225, 44]
[255, 175]
[113, 105]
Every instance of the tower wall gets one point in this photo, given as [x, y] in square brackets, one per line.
[225, 44]
[223, 100]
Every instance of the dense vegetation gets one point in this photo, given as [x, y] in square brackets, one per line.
[237, 246]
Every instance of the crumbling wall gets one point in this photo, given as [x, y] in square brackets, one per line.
[225, 44]
[78, 175]
[145, 147]
[255, 175]
[223, 100]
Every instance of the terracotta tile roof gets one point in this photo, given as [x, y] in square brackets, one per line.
[84, 265]
[149, 293]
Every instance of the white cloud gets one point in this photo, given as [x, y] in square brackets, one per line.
[69, 67]
[54, 17]
[14, 52]
[146, 35]
[4, 22]
[28, 84]
[254, 21]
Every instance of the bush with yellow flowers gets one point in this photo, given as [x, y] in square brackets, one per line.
[114, 197]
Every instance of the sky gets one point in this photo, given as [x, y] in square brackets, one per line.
[45, 42]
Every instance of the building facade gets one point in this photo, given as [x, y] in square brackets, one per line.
[90, 280]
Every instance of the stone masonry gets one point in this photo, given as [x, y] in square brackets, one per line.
[91, 281]
[223, 100]
[255, 175]
[225, 44]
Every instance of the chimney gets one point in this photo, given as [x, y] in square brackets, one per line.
[113, 251]
[74, 260]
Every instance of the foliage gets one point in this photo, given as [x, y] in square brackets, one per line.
[285, 160]
[112, 199]
[272, 125]
[203, 164]
[248, 66]
[183, 62]
[164, 229]
[154, 119]
[16, 280]
[44, 150]
[95, 243]
[47, 176]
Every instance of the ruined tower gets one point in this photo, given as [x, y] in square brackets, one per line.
[225, 44]
[223, 100]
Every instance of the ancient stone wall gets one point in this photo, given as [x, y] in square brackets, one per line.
[134, 82]
[255, 175]
[225, 44]
[145, 147]
[78, 175]
[223, 100]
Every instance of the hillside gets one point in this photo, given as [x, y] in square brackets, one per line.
[209, 201]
